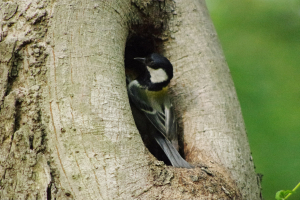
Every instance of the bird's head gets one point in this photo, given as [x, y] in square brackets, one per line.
[159, 67]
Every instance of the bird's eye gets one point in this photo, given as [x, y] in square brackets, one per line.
[150, 62]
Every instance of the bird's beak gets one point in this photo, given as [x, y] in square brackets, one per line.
[142, 60]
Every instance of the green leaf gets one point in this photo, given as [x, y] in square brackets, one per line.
[280, 195]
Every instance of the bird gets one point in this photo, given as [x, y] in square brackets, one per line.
[149, 94]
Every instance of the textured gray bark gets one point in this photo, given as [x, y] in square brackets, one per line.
[67, 130]
[205, 96]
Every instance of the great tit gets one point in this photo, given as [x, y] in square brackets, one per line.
[149, 93]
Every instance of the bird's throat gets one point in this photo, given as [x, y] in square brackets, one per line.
[157, 75]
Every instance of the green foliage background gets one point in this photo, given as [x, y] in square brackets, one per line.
[261, 42]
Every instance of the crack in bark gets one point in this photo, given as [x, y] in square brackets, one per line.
[11, 77]
[58, 155]
[49, 191]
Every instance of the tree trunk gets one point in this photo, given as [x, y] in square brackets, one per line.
[67, 130]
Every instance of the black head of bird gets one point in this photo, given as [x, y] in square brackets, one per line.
[158, 73]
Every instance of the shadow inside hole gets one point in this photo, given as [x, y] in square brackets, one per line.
[137, 46]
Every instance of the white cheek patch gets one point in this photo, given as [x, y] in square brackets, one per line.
[157, 75]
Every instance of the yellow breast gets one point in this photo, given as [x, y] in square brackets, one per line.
[158, 94]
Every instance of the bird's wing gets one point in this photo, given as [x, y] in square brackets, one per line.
[170, 124]
[170, 151]
[139, 97]
[163, 119]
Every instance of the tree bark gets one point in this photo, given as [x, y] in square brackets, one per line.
[206, 99]
[67, 130]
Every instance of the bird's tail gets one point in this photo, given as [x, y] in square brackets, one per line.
[170, 151]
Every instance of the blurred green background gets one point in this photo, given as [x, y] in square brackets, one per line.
[261, 42]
